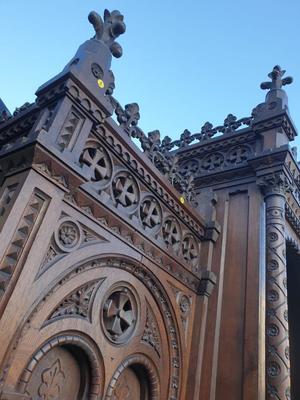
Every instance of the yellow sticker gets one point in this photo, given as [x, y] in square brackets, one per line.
[100, 83]
[182, 199]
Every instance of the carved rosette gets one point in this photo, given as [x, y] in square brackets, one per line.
[68, 236]
[277, 328]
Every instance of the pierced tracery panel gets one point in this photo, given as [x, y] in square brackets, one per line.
[98, 162]
[151, 213]
[171, 233]
[119, 314]
[125, 190]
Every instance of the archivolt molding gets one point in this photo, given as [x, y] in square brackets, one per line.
[69, 338]
[154, 287]
[152, 375]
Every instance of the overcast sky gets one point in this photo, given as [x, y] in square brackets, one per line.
[185, 62]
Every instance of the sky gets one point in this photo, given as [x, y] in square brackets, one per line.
[184, 62]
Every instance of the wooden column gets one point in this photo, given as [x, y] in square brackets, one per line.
[277, 332]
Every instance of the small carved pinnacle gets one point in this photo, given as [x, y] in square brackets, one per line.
[276, 82]
[108, 29]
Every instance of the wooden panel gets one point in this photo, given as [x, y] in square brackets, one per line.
[230, 365]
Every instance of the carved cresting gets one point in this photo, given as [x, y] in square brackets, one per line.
[277, 329]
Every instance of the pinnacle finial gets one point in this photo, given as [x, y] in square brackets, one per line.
[277, 81]
[108, 29]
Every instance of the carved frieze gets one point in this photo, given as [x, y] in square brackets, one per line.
[233, 156]
[5, 200]
[70, 130]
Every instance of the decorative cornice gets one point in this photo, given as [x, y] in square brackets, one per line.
[272, 121]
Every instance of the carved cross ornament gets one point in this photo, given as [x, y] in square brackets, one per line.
[119, 315]
[277, 81]
[99, 163]
[108, 29]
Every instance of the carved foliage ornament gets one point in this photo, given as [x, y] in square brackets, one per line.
[77, 304]
[276, 183]
[108, 29]
[157, 151]
[151, 332]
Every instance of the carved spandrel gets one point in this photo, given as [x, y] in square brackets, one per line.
[151, 334]
[76, 304]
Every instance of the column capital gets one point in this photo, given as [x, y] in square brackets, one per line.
[275, 183]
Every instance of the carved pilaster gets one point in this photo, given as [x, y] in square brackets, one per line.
[277, 329]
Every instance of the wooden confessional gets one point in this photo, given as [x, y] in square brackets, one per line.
[158, 272]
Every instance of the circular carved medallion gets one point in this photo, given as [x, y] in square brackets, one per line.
[125, 190]
[190, 249]
[99, 162]
[171, 233]
[68, 235]
[150, 212]
[119, 315]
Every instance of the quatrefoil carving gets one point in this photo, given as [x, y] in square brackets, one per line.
[189, 249]
[171, 233]
[150, 212]
[125, 190]
[120, 315]
[99, 163]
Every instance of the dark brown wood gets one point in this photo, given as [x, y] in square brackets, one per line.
[146, 275]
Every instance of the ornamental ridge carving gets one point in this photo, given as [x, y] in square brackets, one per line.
[70, 130]
[6, 198]
[21, 236]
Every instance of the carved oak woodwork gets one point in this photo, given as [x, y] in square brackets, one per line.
[109, 254]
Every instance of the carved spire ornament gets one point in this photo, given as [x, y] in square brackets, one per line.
[275, 86]
[109, 29]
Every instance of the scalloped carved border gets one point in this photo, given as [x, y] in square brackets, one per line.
[137, 359]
